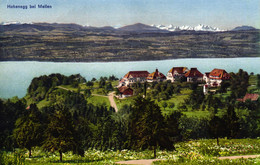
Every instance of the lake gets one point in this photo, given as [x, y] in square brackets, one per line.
[15, 77]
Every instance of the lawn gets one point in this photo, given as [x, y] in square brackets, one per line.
[121, 102]
[98, 100]
[198, 114]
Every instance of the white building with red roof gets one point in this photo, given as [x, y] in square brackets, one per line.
[133, 77]
[176, 73]
[216, 76]
[193, 75]
[125, 91]
[156, 77]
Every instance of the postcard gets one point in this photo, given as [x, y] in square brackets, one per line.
[100, 82]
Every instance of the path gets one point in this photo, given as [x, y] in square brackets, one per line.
[110, 97]
[238, 157]
[112, 101]
[64, 88]
[150, 161]
[143, 161]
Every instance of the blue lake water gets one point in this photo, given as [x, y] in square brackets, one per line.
[15, 77]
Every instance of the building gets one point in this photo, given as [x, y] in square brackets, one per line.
[249, 96]
[176, 73]
[206, 78]
[216, 77]
[133, 77]
[125, 91]
[193, 75]
[156, 77]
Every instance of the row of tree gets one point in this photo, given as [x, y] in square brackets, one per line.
[70, 127]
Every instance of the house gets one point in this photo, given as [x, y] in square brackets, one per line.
[125, 91]
[133, 77]
[156, 76]
[193, 75]
[249, 96]
[206, 78]
[216, 76]
[176, 73]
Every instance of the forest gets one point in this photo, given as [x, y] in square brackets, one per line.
[58, 115]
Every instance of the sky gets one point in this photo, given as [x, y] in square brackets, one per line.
[224, 14]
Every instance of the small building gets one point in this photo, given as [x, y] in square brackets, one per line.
[176, 73]
[125, 91]
[193, 75]
[133, 77]
[216, 77]
[156, 77]
[249, 96]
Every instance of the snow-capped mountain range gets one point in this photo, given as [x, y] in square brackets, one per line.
[199, 27]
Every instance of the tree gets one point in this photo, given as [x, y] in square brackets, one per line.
[60, 132]
[171, 132]
[258, 81]
[171, 105]
[90, 83]
[87, 92]
[232, 121]
[164, 104]
[216, 126]
[28, 131]
[146, 124]
[239, 83]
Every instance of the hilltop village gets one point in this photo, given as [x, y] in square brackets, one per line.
[209, 80]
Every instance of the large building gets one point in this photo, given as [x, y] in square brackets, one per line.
[193, 75]
[156, 77]
[133, 77]
[176, 73]
[216, 76]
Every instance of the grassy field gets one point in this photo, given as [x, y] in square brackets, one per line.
[189, 152]
[98, 100]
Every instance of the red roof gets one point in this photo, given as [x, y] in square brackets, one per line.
[156, 75]
[219, 74]
[193, 72]
[248, 96]
[125, 90]
[179, 70]
[137, 74]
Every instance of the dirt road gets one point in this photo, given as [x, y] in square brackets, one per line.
[112, 101]
[150, 161]
[143, 161]
[238, 157]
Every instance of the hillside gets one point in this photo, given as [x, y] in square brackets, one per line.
[71, 42]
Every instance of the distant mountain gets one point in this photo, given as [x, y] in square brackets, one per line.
[139, 27]
[199, 27]
[241, 28]
[9, 23]
[34, 27]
